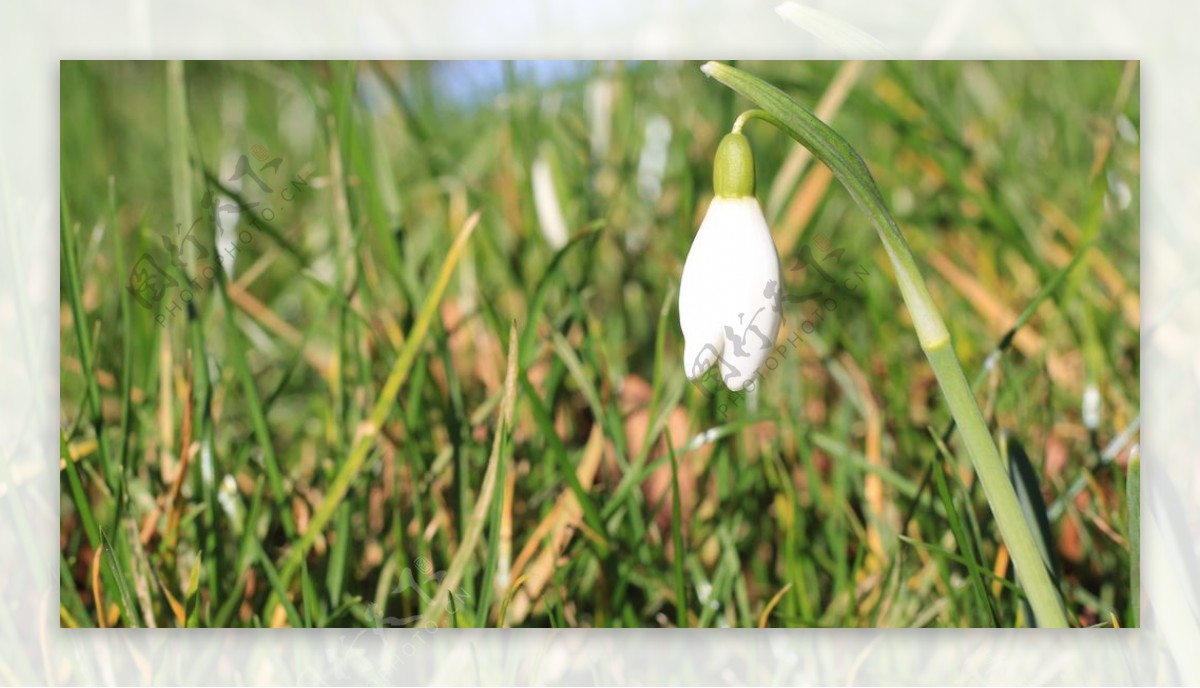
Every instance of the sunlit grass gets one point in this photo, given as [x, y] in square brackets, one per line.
[317, 494]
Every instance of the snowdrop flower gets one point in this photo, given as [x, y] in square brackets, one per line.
[729, 296]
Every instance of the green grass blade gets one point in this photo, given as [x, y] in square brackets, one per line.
[472, 530]
[383, 406]
[546, 425]
[495, 516]
[78, 496]
[681, 600]
[279, 587]
[965, 545]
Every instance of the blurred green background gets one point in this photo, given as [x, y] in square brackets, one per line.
[247, 249]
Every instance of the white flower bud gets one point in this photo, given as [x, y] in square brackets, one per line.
[730, 294]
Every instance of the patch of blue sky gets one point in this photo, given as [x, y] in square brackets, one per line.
[475, 83]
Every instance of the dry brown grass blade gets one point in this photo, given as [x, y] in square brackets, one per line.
[1000, 570]
[882, 520]
[827, 108]
[504, 566]
[1107, 273]
[141, 572]
[266, 317]
[167, 502]
[1000, 318]
[97, 591]
[766, 612]
[248, 276]
[512, 590]
[78, 450]
[997, 314]
[474, 528]
[560, 524]
[801, 210]
[176, 608]
[806, 199]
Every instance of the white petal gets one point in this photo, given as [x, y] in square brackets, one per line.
[728, 295]
[545, 200]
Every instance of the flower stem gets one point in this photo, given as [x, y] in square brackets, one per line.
[831, 149]
[748, 115]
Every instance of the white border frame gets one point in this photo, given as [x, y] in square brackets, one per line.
[37, 35]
